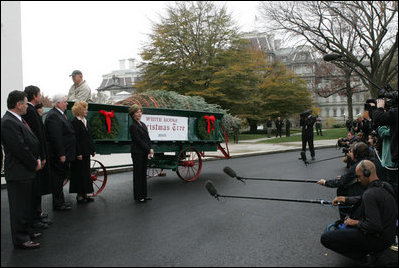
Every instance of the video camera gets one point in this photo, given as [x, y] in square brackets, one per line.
[342, 142]
[387, 93]
[306, 113]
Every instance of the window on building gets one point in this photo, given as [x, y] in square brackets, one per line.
[335, 112]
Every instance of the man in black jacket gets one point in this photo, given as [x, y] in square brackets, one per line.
[306, 122]
[375, 229]
[279, 126]
[61, 142]
[35, 122]
[22, 161]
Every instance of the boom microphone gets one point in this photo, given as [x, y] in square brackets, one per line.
[233, 174]
[331, 57]
[230, 172]
[211, 189]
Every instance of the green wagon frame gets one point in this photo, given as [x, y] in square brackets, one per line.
[183, 156]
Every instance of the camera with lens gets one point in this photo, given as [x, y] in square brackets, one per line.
[343, 142]
[387, 93]
[345, 150]
[306, 113]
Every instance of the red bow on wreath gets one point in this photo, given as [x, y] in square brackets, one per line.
[108, 116]
[210, 119]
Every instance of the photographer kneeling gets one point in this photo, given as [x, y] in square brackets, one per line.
[375, 229]
[347, 184]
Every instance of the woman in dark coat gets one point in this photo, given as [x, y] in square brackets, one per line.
[81, 182]
[141, 151]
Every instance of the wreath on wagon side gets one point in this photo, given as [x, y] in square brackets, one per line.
[206, 127]
[103, 130]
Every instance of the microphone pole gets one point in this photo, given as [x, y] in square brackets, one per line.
[229, 171]
[212, 191]
[338, 57]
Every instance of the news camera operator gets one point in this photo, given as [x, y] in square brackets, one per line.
[306, 122]
[345, 144]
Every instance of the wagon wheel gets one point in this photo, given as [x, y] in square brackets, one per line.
[98, 175]
[153, 172]
[189, 164]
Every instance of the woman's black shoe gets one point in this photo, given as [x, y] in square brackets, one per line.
[81, 200]
[89, 199]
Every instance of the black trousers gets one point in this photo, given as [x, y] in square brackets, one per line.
[20, 200]
[58, 173]
[37, 199]
[308, 138]
[352, 243]
[139, 175]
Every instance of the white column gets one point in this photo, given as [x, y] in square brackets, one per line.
[11, 50]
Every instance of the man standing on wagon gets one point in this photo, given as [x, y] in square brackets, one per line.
[80, 90]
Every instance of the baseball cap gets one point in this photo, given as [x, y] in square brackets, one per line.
[75, 73]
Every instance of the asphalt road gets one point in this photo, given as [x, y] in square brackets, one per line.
[185, 226]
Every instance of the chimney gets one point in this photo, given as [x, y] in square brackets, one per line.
[132, 63]
[122, 65]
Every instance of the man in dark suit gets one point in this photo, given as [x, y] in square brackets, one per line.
[307, 121]
[35, 123]
[279, 126]
[61, 142]
[22, 161]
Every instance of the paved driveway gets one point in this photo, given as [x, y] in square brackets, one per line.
[184, 226]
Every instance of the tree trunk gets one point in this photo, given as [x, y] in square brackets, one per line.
[253, 125]
[349, 94]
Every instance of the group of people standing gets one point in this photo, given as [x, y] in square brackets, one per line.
[39, 156]
[279, 123]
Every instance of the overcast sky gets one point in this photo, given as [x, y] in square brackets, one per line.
[59, 37]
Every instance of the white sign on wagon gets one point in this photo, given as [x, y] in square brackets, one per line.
[166, 128]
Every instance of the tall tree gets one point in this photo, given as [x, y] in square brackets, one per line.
[183, 47]
[371, 26]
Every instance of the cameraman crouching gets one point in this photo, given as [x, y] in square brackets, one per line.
[372, 232]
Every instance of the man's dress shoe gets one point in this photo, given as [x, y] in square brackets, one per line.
[35, 235]
[62, 208]
[28, 245]
[43, 215]
[40, 225]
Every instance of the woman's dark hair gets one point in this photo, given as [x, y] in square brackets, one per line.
[38, 106]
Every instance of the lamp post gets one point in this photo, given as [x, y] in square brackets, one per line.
[344, 117]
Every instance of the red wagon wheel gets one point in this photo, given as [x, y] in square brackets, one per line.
[189, 164]
[98, 175]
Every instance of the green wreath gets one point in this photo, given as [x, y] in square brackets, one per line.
[99, 129]
[202, 129]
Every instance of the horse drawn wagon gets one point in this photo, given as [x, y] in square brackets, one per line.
[180, 138]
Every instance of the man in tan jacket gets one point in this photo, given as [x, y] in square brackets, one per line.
[80, 90]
